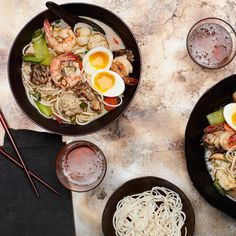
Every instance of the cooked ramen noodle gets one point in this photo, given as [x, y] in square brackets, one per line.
[75, 75]
[151, 213]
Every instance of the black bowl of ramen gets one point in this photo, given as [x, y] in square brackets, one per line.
[217, 96]
[140, 185]
[15, 64]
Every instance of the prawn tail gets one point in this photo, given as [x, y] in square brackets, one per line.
[47, 27]
[69, 56]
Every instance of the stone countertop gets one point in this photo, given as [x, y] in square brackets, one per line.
[151, 132]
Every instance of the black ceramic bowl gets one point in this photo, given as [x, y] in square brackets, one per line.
[24, 37]
[140, 185]
[215, 97]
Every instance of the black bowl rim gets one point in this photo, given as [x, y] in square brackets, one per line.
[111, 122]
[205, 195]
[158, 179]
[210, 18]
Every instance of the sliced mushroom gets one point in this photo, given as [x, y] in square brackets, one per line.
[124, 52]
[96, 106]
[39, 74]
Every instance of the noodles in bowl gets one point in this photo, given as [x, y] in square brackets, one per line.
[155, 212]
[148, 206]
[58, 65]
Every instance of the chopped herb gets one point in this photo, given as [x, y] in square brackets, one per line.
[225, 159]
[35, 95]
[60, 79]
[95, 29]
[49, 97]
[86, 51]
[57, 21]
[218, 187]
[83, 105]
[72, 119]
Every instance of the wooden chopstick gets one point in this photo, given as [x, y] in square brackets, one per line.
[5, 154]
[5, 126]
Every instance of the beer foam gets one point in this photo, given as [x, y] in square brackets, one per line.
[83, 166]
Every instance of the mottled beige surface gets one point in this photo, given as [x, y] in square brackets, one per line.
[150, 135]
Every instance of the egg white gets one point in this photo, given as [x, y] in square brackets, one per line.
[228, 112]
[88, 68]
[116, 90]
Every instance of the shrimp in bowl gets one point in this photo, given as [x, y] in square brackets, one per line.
[60, 39]
[75, 76]
[65, 70]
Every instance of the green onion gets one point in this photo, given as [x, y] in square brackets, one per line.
[41, 48]
[30, 58]
[49, 97]
[57, 21]
[47, 111]
[37, 35]
[95, 29]
[216, 117]
[72, 119]
[218, 187]
[83, 105]
[35, 95]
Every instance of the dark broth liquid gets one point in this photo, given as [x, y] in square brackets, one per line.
[83, 166]
[210, 45]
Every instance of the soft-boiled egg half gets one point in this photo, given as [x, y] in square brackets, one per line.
[229, 113]
[107, 83]
[99, 58]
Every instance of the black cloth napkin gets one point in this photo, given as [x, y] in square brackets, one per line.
[22, 213]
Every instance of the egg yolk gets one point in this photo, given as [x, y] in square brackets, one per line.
[234, 118]
[104, 81]
[99, 60]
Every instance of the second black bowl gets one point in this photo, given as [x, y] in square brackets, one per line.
[214, 98]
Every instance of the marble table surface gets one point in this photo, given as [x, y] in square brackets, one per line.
[151, 132]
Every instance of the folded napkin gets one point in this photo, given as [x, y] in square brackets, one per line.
[22, 213]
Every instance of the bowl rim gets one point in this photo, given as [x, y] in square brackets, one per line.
[228, 202]
[183, 196]
[188, 50]
[97, 129]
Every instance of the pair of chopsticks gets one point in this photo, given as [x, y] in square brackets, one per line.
[21, 163]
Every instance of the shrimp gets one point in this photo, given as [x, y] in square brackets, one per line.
[122, 66]
[219, 137]
[65, 70]
[62, 40]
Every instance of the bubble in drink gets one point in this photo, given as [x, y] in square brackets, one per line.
[210, 45]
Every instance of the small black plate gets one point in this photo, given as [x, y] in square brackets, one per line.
[218, 95]
[24, 37]
[140, 185]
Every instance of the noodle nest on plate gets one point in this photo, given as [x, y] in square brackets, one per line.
[151, 213]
